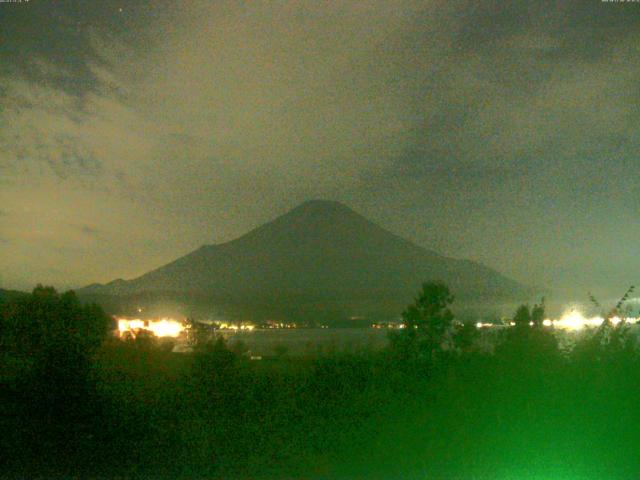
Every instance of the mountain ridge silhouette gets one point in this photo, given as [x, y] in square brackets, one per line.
[319, 251]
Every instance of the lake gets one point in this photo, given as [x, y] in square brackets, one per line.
[299, 341]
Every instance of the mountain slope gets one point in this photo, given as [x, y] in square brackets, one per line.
[319, 251]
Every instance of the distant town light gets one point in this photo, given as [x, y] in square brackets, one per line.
[164, 327]
[574, 320]
[615, 320]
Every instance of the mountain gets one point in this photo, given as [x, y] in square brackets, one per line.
[321, 255]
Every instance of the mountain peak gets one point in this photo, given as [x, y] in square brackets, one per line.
[320, 205]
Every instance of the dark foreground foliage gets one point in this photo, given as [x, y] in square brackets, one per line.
[86, 406]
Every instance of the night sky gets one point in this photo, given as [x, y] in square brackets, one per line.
[505, 132]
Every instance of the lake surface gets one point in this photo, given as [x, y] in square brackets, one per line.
[315, 341]
[300, 341]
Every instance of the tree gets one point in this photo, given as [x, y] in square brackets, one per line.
[610, 341]
[537, 313]
[465, 336]
[428, 319]
[52, 333]
[522, 317]
[527, 341]
[48, 343]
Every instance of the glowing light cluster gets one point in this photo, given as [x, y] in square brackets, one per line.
[572, 320]
[233, 326]
[484, 325]
[164, 327]
[575, 320]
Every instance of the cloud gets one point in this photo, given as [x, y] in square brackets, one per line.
[49, 131]
[86, 229]
[169, 127]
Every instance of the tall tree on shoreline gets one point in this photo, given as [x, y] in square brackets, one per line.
[427, 320]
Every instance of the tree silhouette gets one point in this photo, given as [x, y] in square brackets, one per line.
[522, 317]
[610, 341]
[537, 313]
[465, 336]
[48, 343]
[527, 341]
[52, 333]
[427, 320]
